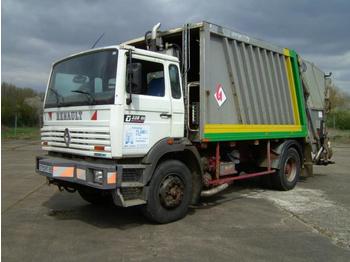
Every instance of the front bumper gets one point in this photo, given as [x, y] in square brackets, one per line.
[79, 172]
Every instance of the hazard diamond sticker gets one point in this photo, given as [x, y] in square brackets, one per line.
[219, 95]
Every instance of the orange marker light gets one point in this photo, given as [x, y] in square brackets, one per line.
[170, 141]
[111, 177]
[99, 148]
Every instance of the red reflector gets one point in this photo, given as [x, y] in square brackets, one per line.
[94, 116]
[44, 143]
[99, 148]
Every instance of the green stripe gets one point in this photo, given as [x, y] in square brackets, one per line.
[251, 136]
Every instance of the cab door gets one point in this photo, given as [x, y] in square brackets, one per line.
[148, 118]
[177, 101]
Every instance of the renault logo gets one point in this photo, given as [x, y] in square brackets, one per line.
[66, 137]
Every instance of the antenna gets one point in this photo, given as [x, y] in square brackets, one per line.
[98, 39]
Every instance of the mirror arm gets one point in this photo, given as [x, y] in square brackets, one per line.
[129, 99]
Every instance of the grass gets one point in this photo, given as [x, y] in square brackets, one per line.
[29, 133]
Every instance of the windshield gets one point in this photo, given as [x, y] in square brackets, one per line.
[87, 79]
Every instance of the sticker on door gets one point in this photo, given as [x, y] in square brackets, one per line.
[136, 136]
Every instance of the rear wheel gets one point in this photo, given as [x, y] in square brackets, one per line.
[169, 192]
[289, 170]
[94, 196]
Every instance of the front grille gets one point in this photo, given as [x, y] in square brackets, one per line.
[131, 192]
[132, 174]
[82, 139]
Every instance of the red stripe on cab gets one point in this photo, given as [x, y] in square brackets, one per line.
[94, 116]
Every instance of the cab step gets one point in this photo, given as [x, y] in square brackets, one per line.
[134, 202]
[132, 184]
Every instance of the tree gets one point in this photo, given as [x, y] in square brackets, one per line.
[338, 99]
[20, 102]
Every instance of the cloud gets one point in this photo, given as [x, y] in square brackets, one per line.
[35, 33]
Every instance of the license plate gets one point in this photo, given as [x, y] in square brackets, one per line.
[45, 168]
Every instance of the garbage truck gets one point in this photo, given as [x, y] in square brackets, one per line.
[165, 119]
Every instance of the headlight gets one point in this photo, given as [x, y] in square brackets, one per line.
[98, 176]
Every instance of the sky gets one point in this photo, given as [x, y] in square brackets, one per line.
[35, 33]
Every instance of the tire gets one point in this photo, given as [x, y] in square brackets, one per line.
[170, 193]
[288, 172]
[94, 196]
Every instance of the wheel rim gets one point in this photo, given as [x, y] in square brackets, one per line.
[290, 169]
[171, 191]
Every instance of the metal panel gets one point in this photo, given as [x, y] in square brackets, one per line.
[253, 75]
[270, 87]
[235, 88]
[265, 89]
[250, 88]
[315, 83]
[285, 89]
[238, 67]
[258, 84]
[219, 30]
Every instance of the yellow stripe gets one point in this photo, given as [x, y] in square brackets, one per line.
[224, 128]
[286, 52]
[293, 95]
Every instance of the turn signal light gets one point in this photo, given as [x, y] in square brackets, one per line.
[99, 148]
[170, 141]
[112, 177]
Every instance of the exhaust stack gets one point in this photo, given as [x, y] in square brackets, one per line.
[154, 31]
[156, 42]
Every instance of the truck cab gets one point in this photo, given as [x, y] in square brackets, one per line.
[109, 114]
[100, 103]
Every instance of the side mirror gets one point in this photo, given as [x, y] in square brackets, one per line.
[135, 71]
[134, 78]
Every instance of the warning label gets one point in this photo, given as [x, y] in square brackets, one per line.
[219, 95]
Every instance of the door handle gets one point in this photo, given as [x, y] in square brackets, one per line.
[165, 115]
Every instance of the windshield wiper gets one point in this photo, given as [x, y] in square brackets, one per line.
[57, 95]
[88, 94]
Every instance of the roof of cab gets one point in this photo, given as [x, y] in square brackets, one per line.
[122, 46]
[149, 53]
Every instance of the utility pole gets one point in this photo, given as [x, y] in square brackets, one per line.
[16, 123]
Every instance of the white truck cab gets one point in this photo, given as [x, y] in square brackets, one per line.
[86, 104]
[109, 114]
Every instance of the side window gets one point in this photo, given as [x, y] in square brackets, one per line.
[174, 81]
[152, 78]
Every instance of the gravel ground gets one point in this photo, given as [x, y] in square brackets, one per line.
[244, 223]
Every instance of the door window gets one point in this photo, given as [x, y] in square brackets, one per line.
[174, 81]
[152, 78]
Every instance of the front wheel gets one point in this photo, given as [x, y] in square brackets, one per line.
[169, 192]
[289, 170]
